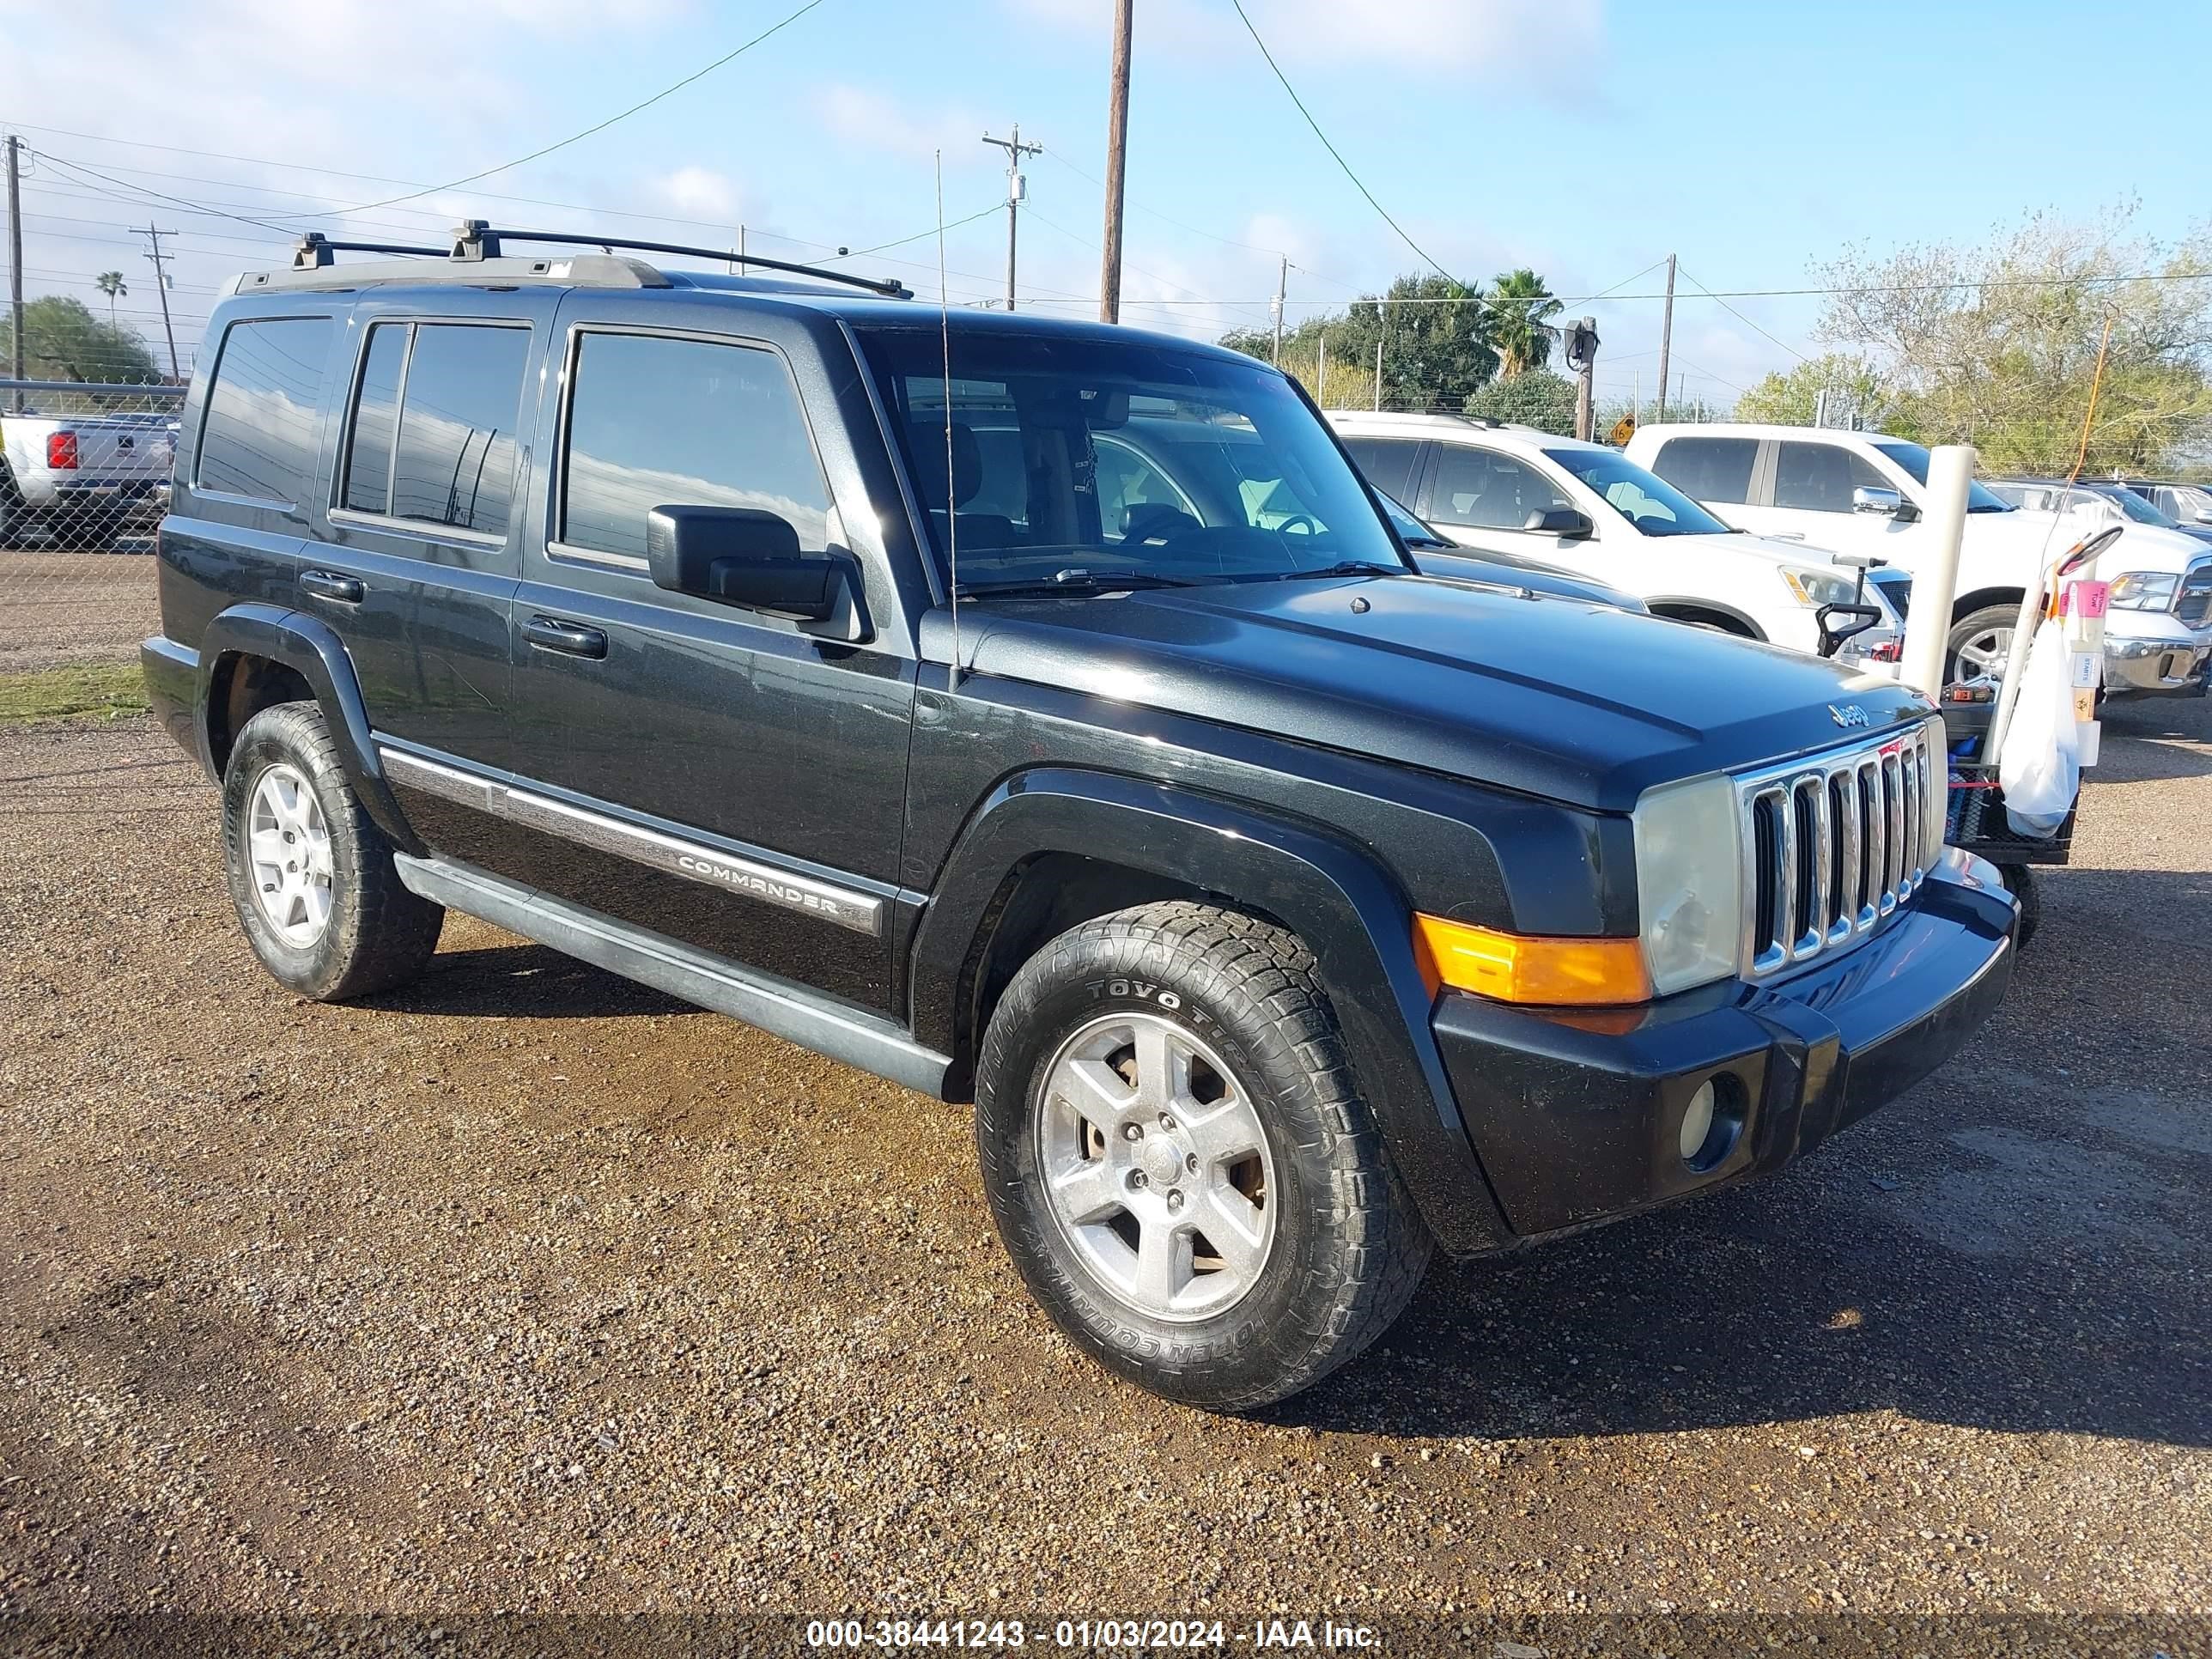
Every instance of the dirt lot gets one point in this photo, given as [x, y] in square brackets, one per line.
[58, 608]
[530, 1289]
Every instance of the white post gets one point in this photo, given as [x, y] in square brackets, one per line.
[1935, 573]
[1321, 375]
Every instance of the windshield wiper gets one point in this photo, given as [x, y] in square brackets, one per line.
[1077, 579]
[1353, 567]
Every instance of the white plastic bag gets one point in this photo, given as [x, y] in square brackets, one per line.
[2041, 767]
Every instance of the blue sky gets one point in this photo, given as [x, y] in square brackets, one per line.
[1586, 139]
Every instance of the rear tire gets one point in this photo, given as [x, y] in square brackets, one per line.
[311, 875]
[1179, 1161]
[2020, 878]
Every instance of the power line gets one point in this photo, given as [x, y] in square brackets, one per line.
[1740, 318]
[577, 137]
[1332, 149]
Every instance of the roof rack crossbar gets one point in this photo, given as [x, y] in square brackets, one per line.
[474, 239]
[315, 249]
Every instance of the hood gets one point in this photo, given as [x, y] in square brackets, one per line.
[1552, 697]
[1465, 564]
[2141, 546]
[1764, 549]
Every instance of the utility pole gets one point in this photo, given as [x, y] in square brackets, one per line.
[1666, 339]
[1015, 150]
[15, 252]
[1117, 137]
[1321, 375]
[1636, 397]
[1582, 357]
[1378, 377]
[161, 287]
[1282, 298]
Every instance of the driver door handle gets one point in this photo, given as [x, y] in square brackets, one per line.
[571, 639]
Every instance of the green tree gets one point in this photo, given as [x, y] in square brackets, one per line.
[1997, 345]
[1436, 344]
[1541, 399]
[64, 341]
[1854, 388]
[1521, 310]
[111, 283]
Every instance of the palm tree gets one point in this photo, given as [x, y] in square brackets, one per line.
[1521, 307]
[111, 283]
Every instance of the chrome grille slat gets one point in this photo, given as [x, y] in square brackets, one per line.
[1833, 844]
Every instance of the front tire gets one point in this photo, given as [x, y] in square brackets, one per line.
[311, 875]
[1180, 1163]
[1979, 643]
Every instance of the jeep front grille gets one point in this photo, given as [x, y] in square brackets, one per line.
[1832, 844]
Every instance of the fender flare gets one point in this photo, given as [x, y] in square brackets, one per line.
[1653, 602]
[1333, 897]
[308, 647]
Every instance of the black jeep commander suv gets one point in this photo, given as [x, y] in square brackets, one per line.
[1046, 714]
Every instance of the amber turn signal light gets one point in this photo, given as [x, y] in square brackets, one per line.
[1518, 968]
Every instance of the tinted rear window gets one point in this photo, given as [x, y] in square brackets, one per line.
[1709, 468]
[258, 438]
[455, 460]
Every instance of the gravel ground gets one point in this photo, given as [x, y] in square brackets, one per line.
[530, 1289]
[58, 608]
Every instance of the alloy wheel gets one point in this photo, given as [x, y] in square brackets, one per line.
[1155, 1167]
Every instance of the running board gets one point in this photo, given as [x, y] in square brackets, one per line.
[775, 1006]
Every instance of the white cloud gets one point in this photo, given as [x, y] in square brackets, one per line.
[1538, 43]
[697, 192]
[871, 120]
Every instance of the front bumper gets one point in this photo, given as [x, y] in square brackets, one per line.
[2170, 662]
[1577, 1116]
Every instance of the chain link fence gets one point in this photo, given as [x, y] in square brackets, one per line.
[84, 479]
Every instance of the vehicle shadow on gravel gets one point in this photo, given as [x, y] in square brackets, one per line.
[1758, 1308]
[523, 980]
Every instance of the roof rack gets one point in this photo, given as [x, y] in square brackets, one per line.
[476, 244]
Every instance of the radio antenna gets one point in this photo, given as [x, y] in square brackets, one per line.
[951, 487]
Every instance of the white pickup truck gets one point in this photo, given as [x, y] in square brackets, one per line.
[79, 478]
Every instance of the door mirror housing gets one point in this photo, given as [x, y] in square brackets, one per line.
[742, 556]
[1564, 522]
[1888, 503]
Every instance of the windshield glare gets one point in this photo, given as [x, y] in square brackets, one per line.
[1071, 455]
[1647, 501]
[1914, 458]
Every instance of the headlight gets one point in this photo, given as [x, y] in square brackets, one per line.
[2144, 590]
[1818, 588]
[1689, 881]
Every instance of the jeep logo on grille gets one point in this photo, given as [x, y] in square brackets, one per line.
[1848, 714]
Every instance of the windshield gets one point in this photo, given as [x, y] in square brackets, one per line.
[1411, 531]
[1645, 498]
[1913, 458]
[2136, 509]
[1074, 461]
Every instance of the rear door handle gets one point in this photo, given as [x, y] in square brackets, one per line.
[327, 584]
[573, 639]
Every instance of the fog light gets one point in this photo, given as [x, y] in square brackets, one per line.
[1696, 1122]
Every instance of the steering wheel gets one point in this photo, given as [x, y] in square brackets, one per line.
[1312, 525]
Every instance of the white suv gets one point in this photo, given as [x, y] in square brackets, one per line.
[1865, 493]
[1519, 493]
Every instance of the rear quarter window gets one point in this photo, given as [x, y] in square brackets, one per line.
[1708, 469]
[257, 437]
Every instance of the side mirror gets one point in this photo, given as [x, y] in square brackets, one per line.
[1889, 503]
[739, 556]
[1563, 522]
[2204, 517]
